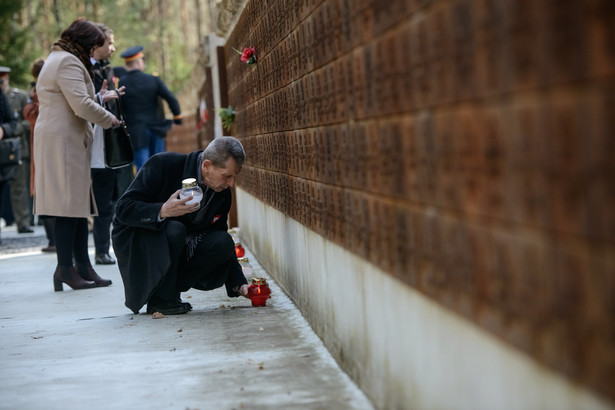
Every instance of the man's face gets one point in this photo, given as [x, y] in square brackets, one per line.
[219, 179]
[104, 52]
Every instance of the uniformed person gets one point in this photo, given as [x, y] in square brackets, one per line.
[147, 128]
[7, 130]
[20, 185]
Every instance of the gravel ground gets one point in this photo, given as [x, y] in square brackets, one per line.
[12, 242]
[22, 243]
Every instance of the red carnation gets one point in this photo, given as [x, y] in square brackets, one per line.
[248, 56]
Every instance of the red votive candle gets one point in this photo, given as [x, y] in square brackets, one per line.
[259, 292]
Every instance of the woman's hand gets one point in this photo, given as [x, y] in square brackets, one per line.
[107, 95]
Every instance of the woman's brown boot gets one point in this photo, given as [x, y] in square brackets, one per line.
[64, 274]
[87, 272]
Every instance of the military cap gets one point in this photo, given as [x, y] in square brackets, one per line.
[132, 53]
[5, 69]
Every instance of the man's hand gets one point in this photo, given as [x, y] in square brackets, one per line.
[177, 207]
[243, 290]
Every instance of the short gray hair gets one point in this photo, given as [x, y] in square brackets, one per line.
[105, 29]
[221, 148]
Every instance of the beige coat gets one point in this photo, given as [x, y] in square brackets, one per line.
[63, 137]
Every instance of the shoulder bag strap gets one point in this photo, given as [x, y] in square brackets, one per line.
[120, 110]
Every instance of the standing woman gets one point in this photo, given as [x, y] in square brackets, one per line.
[63, 149]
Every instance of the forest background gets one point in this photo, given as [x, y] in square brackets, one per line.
[170, 31]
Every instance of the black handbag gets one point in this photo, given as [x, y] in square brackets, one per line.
[118, 148]
[10, 152]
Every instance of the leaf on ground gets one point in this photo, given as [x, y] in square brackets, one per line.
[250, 361]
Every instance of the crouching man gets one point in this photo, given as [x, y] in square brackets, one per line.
[163, 244]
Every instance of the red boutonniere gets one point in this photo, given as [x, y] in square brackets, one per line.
[248, 56]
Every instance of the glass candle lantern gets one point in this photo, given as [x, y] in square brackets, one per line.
[191, 189]
[259, 292]
[239, 250]
[246, 267]
[234, 232]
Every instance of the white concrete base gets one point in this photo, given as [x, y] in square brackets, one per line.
[403, 350]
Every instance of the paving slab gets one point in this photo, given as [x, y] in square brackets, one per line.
[85, 350]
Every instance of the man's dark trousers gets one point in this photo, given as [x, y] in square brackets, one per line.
[207, 269]
[103, 185]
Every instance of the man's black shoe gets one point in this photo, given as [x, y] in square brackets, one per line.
[186, 304]
[167, 307]
[25, 229]
[104, 259]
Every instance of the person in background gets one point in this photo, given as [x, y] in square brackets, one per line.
[20, 185]
[30, 113]
[63, 136]
[145, 126]
[164, 245]
[103, 178]
[7, 130]
[6, 213]
[119, 72]
[124, 175]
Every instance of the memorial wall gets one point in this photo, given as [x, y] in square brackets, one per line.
[463, 147]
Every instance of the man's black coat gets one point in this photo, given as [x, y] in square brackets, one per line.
[139, 241]
[103, 71]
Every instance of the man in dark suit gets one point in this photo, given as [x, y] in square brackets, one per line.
[103, 178]
[146, 127]
[165, 246]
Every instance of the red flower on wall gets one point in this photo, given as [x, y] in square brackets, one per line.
[248, 56]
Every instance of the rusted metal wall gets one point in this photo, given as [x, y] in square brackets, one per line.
[463, 146]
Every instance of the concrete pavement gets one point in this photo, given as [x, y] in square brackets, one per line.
[85, 350]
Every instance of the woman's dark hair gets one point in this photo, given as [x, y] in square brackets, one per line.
[85, 33]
